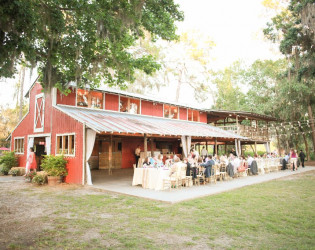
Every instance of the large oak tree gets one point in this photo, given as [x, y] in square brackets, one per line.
[82, 41]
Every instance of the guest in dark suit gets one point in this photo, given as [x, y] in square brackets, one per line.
[302, 157]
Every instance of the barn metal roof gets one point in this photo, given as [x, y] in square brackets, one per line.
[103, 121]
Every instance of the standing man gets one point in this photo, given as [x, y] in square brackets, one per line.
[137, 154]
[302, 157]
[204, 152]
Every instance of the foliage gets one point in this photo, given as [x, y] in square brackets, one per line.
[14, 171]
[82, 41]
[228, 82]
[294, 29]
[9, 118]
[30, 175]
[54, 165]
[8, 159]
[4, 170]
[40, 178]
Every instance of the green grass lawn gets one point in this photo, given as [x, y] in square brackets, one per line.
[273, 215]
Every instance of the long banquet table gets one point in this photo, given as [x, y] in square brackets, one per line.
[151, 178]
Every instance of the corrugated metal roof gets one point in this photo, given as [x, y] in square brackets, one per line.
[116, 122]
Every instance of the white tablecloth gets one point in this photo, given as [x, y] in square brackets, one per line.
[151, 178]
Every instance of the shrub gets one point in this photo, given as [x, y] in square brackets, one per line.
[4, 170]
[40, 178]
[30, 175]
[54, 165]
[9, 160]
[14, 171]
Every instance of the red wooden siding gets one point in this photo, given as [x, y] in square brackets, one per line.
[70, 99]
[63, 124]
[26, 126]
[183, 114]
[129, 146]
[56, 122]
[146, 108]
[111, 102]
[151, 108]
[158, 110]
[203, 117]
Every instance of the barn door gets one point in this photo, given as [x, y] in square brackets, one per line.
[104, 153]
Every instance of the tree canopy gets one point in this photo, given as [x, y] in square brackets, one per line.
[82, 41]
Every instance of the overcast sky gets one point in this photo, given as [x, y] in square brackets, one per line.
[234, 25]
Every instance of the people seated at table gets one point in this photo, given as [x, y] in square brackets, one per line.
[250, 160]
[236, 164]
[208, 165]
[243, 165]
[168, 161]
[224, 160]
[147, 162]
[159, 161]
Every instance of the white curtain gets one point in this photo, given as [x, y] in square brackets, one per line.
[267, 147]
[236, 147]
[90, 141]
[47, 144]
[30, 144]
[184, 145]
[188, 140]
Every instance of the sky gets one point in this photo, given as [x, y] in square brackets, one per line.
[234, 25]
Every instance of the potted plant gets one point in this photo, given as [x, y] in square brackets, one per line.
[55, 167]
[14, 172]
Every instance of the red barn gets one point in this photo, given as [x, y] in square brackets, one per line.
[100, 129]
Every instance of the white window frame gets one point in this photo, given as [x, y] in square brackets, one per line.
[19, 138]
[42, 119]
[56, 144]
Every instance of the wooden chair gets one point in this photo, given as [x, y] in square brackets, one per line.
[217, 174]
[222, 172]
[200, 176]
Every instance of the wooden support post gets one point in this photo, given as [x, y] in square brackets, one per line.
[207, 147]
[225, 148]
[237, 124]
[110, 155]
[145, 143]
[216, 146]
[255, 147]
[151, 142]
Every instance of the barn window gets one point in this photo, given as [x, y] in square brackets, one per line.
[65, 144]
[193, 115]
[39, 115]
[89, 99]
[129, 105]
[19, 145]
[170, 112]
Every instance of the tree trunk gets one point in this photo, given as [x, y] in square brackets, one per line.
[310, 115]
[278, 142]
[306, 144]
[21, 93]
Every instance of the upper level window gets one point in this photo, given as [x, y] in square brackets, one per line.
[19, 145]
[89, 99]
[65, 144]
[39, 115]
[170, 112]
[193, 115]
[129, 105]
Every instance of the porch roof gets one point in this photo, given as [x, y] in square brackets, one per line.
[103, 121]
